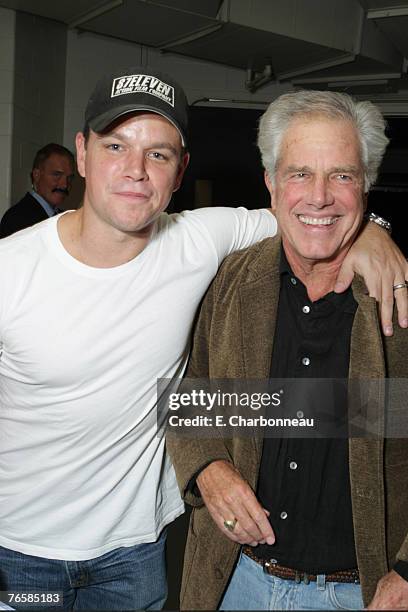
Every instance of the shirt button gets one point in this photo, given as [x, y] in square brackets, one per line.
[306, 361]
[293, 465]
[306, 309]
[293, 281]
[284, 515]
[299, 414]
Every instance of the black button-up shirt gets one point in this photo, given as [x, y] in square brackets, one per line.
[304, 483]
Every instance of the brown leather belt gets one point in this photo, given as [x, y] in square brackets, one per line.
[286, 573]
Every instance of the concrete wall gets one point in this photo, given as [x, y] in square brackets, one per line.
[39, 93]
[91, 55]
[48, 73]
[7, 45]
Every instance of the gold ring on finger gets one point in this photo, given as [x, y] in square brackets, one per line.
[230, 524]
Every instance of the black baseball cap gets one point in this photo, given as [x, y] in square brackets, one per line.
[137, 89]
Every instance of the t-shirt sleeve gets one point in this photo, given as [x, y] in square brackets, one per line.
[232, 229]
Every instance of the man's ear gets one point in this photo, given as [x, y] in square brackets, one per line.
[81, 153]
[269, 186]
[268, 182]
[180, 172]
[35, 176]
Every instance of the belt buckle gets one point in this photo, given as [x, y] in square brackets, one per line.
[298, 577]
[269, 563]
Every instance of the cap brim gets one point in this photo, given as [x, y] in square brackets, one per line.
[100, 123]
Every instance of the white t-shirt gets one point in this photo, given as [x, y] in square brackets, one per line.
[82, 469]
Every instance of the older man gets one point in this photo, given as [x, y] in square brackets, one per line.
[51, 177]
[323, 523]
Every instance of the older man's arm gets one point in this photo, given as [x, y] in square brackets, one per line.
[392, 590]
[191, 455]
[204, 467]
[391, 593]
[228, 496]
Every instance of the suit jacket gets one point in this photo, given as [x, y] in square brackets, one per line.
[25, 213]
[234, 339]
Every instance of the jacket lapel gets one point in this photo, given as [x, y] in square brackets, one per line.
[367, 403]
[259, 297]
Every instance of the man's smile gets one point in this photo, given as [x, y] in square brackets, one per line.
[317, 221]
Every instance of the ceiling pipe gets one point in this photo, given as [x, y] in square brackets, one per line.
[348, 79]
[100, 10]
[190, 37]
[386, 13]
[256, 80]
[231, 101]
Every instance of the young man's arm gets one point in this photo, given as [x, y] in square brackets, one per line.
[376, 257]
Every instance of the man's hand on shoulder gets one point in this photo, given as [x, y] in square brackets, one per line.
[227, 497]
[391, 593]
[376, 257]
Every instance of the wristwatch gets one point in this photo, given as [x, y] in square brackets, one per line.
[378, 220]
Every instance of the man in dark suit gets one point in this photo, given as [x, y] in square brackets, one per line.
[51, 176]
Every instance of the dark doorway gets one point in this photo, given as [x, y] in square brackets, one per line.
[224, 153]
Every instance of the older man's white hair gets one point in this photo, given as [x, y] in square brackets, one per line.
[365, 116]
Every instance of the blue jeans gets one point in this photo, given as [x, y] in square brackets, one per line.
[252, 589]
[131, 578]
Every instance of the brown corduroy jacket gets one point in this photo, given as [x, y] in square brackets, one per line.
[234, 339]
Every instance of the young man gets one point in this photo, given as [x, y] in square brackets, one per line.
[95, 306]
